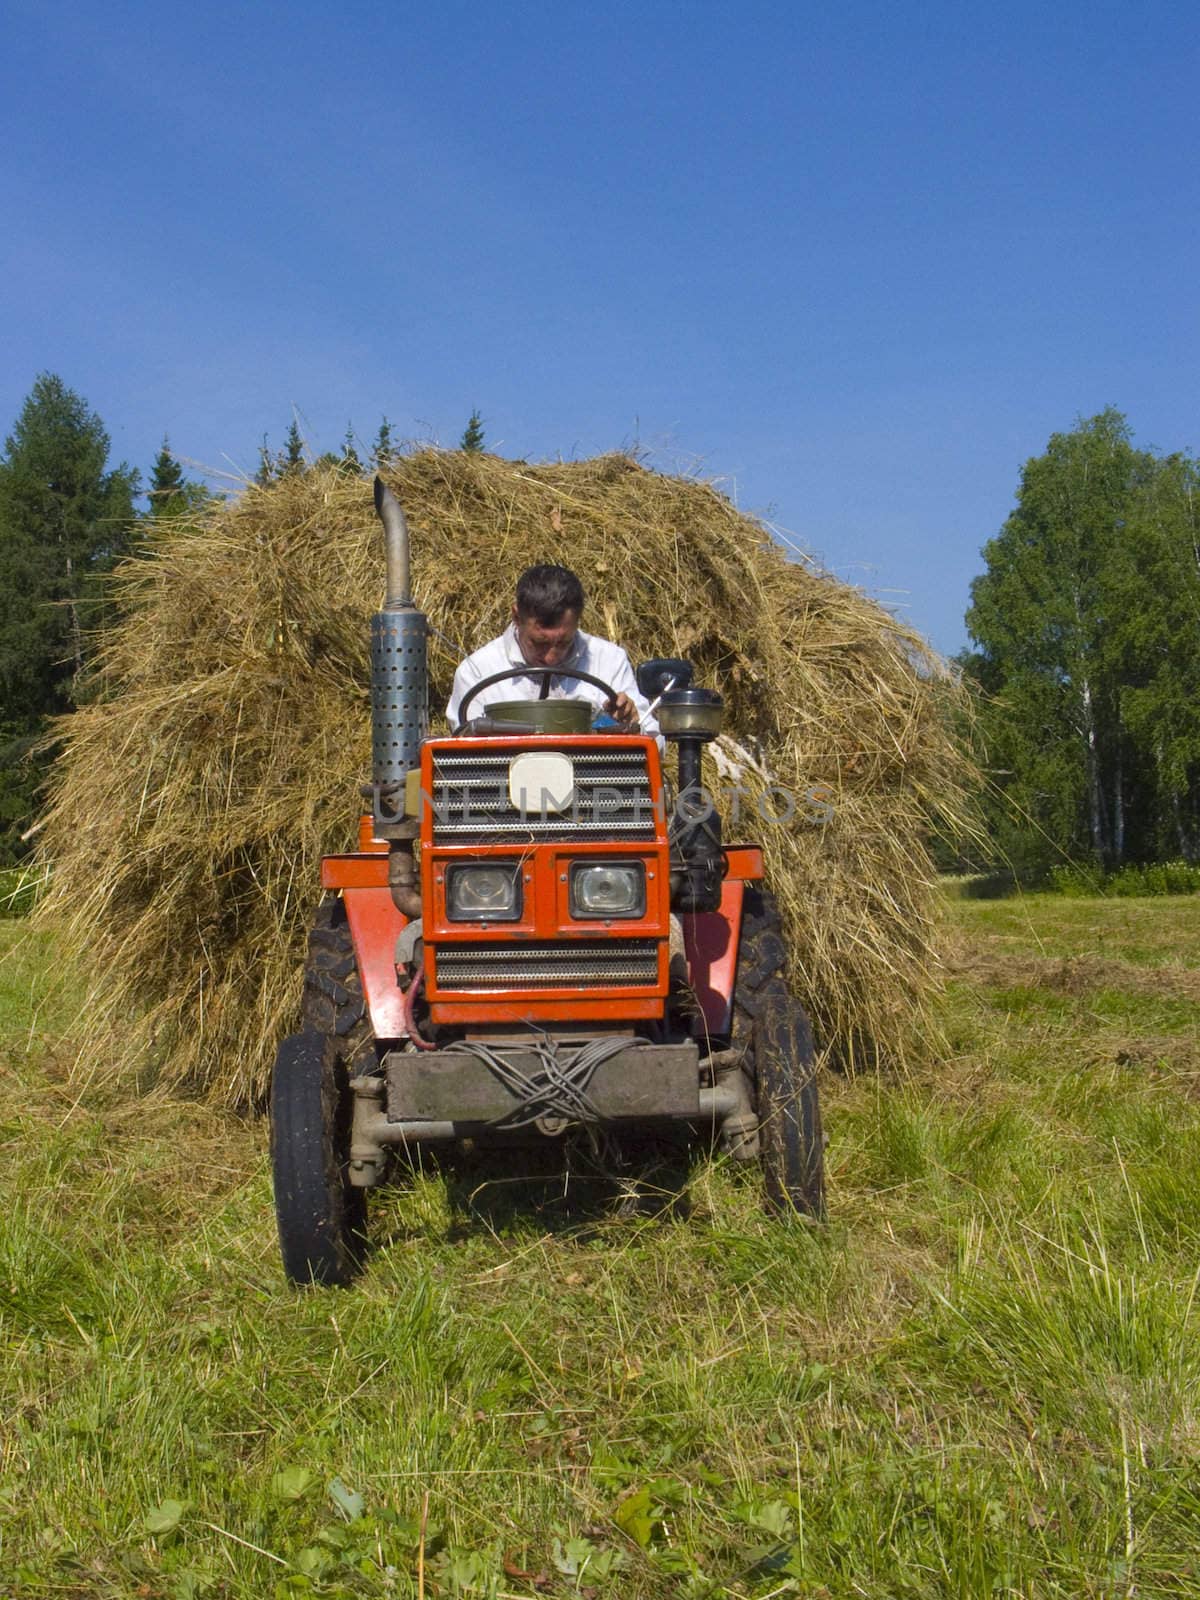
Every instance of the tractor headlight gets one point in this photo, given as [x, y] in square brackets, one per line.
[484, 893]
[608, 889]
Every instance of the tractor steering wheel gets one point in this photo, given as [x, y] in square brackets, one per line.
[530, 672]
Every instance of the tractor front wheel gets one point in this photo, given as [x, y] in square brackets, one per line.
[321, 1216]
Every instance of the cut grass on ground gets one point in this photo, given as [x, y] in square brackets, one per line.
[1146, 932]
[980, 1378]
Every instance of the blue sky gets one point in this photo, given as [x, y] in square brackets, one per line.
[855, 263]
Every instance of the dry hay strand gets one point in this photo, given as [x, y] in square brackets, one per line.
[224, 752]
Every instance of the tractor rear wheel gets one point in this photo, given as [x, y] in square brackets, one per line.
[780, 1060]
[321, 1216]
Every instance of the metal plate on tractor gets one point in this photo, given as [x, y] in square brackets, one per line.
[649, 1080]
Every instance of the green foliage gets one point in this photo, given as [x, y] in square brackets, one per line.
[1159, 878]
[65, 519]
[291, 458]
[166, 482]
[346, 460]
[267, 466]
[349, 461]
[21, 773]
[1089, 720]
[1157, 643]
[285, 463]
[170, 494]
[1080, 880]
[384, 447]
[163, 1518]
[472, 438]
[19, 890]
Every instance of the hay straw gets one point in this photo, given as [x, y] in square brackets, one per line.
[193, 799]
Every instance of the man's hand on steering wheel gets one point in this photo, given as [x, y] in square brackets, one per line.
[623, 709]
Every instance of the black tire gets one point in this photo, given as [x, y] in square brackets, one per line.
[780, 1061]
[321, 1216]
[333, 999]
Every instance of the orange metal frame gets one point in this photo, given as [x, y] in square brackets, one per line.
[710, 938]
[545, 871]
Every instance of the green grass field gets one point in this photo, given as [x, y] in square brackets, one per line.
[981, 1378]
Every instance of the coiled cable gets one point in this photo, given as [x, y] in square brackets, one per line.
[558, 1090]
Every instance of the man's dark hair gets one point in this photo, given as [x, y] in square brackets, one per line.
[545, 592]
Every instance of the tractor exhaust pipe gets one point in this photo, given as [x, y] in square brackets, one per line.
[395, 548]
[399, 668]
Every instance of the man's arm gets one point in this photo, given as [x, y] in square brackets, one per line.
[465, 674]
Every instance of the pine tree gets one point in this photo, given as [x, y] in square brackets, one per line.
[384, 447]
[171, 495]
[167, 493]
[267, 466]
[65, 519]
[472, 439]
[349, 461]
[291, 460]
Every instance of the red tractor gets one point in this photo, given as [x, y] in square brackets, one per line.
[539, 933]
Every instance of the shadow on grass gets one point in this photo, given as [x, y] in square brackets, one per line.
[989, 886]
[558, 1186]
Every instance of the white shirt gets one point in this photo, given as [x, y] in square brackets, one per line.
[600, 657]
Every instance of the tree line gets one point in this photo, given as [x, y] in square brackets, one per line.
[1086, 633]
[66, 519]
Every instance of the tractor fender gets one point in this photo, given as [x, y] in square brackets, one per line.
[711, 939]
[375, 925]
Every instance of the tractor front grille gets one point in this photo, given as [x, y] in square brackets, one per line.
[557, 964]
[471, 803]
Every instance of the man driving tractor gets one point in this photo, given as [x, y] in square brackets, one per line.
[545, 632]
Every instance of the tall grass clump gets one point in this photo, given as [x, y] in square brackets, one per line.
[226, 748]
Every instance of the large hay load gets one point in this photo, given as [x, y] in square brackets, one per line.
[194, 797]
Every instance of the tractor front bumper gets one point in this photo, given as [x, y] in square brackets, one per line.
[442, 1096]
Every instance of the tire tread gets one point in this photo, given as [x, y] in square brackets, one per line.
[780, 1059]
